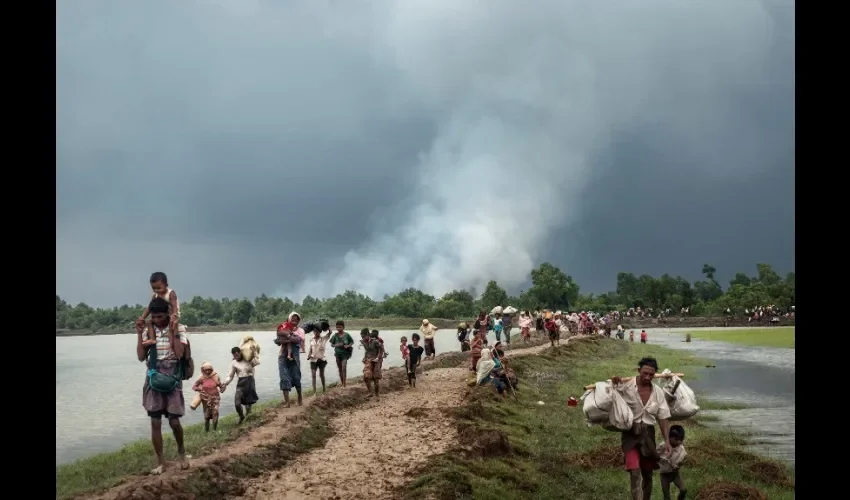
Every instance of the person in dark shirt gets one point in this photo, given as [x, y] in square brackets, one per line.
[463, 336]
[507, 324]
[498, 350]
[415, 355]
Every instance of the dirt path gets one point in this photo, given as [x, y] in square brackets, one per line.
[271, 431]
[390, 436]
[386, 423]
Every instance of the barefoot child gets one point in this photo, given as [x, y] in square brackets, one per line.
[405, 352]
[376, 334]
[284, 338]
[643, 336]
[209, 387]
[372, 360]
[159, 285]
[631, 335]
[415, 352]
[670, 465]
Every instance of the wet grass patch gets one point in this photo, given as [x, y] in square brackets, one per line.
[708, 404]
[518, 450]
[105, 470]
[776, 336]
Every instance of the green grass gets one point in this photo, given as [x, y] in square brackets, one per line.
[707, 404]
[767, 337]
[106, 470]
[518, 450]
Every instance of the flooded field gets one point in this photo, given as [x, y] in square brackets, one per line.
[759, 379]
[91, 421]
[99, 384]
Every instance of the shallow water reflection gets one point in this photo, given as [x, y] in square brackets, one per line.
[760, 378]
[99, 383]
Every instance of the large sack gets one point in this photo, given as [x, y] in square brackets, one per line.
[510, 310]
[496, 310]
[682, 402]
[597, 403]
[620, 417]
[249, 348]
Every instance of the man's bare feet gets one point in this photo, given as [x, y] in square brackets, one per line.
[184, 462]
[159, 469]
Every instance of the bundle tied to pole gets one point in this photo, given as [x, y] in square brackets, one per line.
[626, 379]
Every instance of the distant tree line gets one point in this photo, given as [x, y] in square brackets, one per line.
[551, 288]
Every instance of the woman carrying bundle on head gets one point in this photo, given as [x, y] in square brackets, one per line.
[525, 322]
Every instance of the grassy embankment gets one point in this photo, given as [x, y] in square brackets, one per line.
[105, 470]
[716, 455]
[108, 469]
[389, 323]
[766, 337]
[522, 450]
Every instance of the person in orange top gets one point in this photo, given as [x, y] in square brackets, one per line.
[209, 387]
[643, 336]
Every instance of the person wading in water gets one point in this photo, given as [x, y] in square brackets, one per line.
[649, 407]
[164, 357]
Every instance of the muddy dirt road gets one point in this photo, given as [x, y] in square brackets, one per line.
[391, 435]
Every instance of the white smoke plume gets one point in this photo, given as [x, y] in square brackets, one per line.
[523, 95]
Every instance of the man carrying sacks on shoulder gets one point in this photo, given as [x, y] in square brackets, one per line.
[649, 407]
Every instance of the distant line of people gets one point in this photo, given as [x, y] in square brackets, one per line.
[163, 344]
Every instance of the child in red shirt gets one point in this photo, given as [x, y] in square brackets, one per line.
[405, 353]
[643, 336]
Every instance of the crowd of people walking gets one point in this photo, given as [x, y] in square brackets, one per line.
[163, 344]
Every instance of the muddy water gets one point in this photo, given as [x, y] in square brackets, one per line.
[759, 378]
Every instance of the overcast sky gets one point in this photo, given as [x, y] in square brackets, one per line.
[298, 147]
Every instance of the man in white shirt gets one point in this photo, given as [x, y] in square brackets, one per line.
[427, 330]
[316, 352]
[165, 357]
[649, 407]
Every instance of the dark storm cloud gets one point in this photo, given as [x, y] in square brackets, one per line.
[308, 147]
